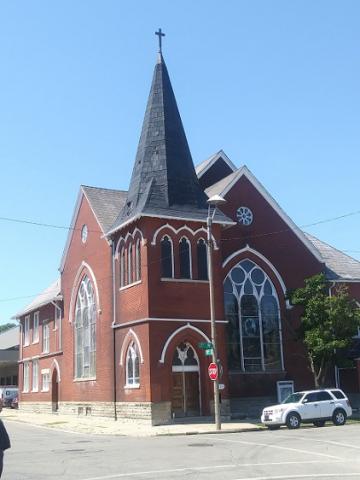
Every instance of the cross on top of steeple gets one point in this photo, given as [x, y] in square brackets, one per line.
[160, 34]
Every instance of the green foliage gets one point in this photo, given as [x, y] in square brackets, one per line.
[6, 326]
[328, 322]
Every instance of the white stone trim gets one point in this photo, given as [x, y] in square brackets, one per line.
[244, 171]
[55, 365]
[248, 249]
[172, 253]
[184, 237]
[176, 231]
[180, 329]
[84, 266]
[129, 334]
[154, 319]
[124, 239]
[214, 158]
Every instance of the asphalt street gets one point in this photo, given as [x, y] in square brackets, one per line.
[309, 453]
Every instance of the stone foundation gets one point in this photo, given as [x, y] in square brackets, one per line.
[141, 412]
[225, 409]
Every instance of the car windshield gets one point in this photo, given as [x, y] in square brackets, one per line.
[293, 398]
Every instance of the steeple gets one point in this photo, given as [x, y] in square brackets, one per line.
[163, 181]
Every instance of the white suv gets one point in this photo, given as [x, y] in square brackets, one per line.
[313, 406]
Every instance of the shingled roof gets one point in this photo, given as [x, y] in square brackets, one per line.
[164, 182]
[50, 294]
[339, 266]
[106, 204]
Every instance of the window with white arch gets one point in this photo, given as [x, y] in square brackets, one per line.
[167, 257]
[132, 366]
[122, 267]
[85, 331]
[254, 326]
[185, 258]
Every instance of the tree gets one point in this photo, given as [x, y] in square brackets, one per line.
[328, 322]
[6, 326]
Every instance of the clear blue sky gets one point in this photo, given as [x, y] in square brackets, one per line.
[273, 83]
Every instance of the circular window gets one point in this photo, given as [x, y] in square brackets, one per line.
[244, 215]
[84, 233]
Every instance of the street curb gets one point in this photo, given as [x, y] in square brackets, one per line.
[211, 432]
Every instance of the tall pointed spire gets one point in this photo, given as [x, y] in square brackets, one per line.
[163, 181]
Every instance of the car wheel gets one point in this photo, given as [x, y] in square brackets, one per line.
[273, 427]
[319, 423]
[293, 421]
[339, 417]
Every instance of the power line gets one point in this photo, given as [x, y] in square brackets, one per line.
[47, 225]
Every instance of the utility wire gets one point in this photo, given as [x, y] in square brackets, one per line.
[47, 225]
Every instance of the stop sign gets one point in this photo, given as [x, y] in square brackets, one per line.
[213, 371]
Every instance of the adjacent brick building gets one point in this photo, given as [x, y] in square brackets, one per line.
[118, 333]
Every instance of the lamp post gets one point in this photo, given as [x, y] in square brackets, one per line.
[213, 202]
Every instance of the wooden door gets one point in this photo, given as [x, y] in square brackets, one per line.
[192, 403]
[177, 400]
[55, 391]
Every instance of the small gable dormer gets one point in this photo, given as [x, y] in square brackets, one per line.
[214, 169]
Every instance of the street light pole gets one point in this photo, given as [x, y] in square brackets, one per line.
[213, 201]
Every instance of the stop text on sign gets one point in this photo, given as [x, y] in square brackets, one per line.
[213, 371]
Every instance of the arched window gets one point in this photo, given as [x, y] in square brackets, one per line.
[85, 331]
[254, 327]
[122, 267]
[130, 265]
[167, 263]
[185, 258]
[202, 260]
[132, 365]
[138, 261]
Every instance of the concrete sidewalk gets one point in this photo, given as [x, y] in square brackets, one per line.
[107, 426]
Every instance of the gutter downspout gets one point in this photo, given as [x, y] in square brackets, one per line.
[113, 322]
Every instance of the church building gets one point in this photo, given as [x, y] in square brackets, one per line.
[119, 333]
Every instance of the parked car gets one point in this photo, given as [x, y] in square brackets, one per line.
[15, 402]
[313, 406]
[7, 394]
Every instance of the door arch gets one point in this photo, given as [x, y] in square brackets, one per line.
[186, 396]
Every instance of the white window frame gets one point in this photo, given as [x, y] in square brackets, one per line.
[85, 335]
[27, 331]
[122, 267]
[130, 263]
[133, 352]
[46, 337]
[190, 256]
[36, 323]
[58, 317]
[172, 255]
[45, 380]
[35, 375]
[26, 377]
[138, 261]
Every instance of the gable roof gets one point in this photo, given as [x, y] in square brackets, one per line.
[50, 294]
[225, 185]
[105, 204]
[339, 266]
[204, 166]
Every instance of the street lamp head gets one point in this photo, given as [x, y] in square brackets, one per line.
[216, 200]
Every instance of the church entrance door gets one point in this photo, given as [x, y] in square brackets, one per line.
[55, 391]
[185, 400]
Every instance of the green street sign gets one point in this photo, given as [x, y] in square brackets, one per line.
[209, 352]
[205, 345]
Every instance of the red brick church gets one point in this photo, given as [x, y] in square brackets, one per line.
[118, 334]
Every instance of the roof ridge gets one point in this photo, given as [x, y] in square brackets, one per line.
[104, 188]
